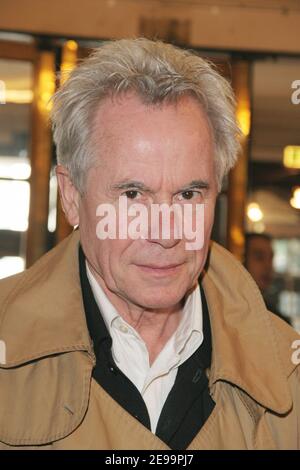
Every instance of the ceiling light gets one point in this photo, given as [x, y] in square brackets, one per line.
[291, 156]
[254, 212]
[295, 200]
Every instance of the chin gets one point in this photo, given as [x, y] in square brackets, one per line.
[159, 299]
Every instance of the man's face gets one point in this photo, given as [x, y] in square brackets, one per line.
[149, 154]
[260, 261]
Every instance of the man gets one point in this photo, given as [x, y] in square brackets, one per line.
[259, 259]
[125, 336]
[259, 263]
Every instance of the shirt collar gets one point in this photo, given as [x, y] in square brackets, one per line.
[191, 320]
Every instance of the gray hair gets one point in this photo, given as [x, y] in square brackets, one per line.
[157, 72]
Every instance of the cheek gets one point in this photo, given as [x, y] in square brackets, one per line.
[112, 259]
[200, 258]
[87, 223]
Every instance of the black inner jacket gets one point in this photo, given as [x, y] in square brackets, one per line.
[188, 404]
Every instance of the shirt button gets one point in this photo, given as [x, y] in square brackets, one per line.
[123, 328]
[112, 369]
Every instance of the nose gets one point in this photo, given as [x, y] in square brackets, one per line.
[164, 226]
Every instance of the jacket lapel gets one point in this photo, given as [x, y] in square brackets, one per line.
[246, 352]
[42, 318]
[44, 313]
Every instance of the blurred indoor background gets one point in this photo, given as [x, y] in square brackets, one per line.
[255, 44]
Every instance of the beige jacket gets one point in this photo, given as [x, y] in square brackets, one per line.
[49, 401]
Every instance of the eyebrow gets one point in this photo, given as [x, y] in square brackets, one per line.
[129, 185]
[123, 186]
[195, 184]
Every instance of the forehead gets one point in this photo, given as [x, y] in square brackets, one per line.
[119, 112]
[137, 136]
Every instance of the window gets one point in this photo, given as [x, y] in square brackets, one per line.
[15, 107]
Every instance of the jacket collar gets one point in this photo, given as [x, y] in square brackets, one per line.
[246, 350]
[53, 321]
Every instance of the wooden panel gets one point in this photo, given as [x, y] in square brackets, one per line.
[17, 51]
[259, 26]
[68, 62]
[41, 151]
[169, 30]
[237, 187]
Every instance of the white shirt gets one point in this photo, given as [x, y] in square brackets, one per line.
[131, 355]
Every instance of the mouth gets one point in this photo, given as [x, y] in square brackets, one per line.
[158, 270]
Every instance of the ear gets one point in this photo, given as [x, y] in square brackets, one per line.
[69, 195]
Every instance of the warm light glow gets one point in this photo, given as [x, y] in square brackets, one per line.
[69, 59]
[244, 119]
[71, 45]
[291, 156]
[254, 212]
[18, 96]
[46, 83]
[259, 227]
[14, 207]
[237, 235]
[295, 200]
[2, 92]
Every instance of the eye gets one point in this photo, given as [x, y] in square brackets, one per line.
[131, 193]
[189, 194]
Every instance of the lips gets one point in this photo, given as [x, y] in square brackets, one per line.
[155, 266]
[160, 270]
